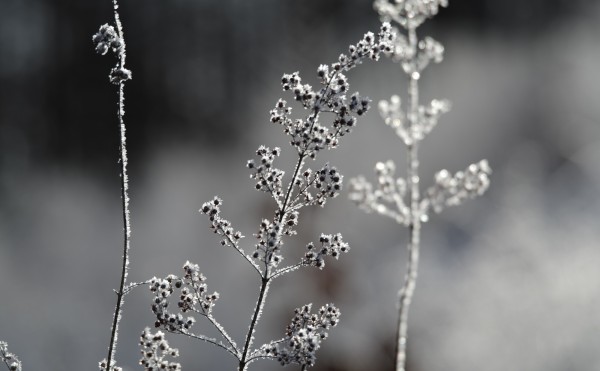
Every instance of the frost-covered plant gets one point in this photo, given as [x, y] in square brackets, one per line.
[304, 335]
[154, 350]
[399, 198]
[110, 39]
[10, 360]
[306, 187]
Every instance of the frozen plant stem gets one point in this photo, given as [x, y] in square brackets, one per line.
[107, 39]
[124, 199]
[264, 288]
[266, 279]
[283, 213]
[126, 226]
[414, 227]
[266, 275]
[400, 198]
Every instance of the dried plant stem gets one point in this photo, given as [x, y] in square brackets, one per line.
[212, 341]
[124, 198]
[266, 275]
[260, 303]
[288, 194]
[410, 279]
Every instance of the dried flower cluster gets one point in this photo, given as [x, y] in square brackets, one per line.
[154, 351]
[387, 199]
[303, 336]
[408, 13]
[193, 296]
[10, 360]
[450, 190]
[427, 118]
[267, 178]
[107, 38]
[331, 245]
[399, 197]
[219, 225]
[308, 136]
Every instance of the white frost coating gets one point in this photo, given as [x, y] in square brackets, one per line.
[155, 350]
[303, 336]
[223, 228]
[224, 333]
[192, 296]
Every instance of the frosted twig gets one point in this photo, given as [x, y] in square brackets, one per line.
[408, 287]
[260, 303]
[132, 286]
[285, 270]
[223, 228]
[256, 358]
[155, 349]
[108, 39]
[9, 359]
[206, 339]
[224, 333]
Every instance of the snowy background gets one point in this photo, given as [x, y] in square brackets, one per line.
[508, 281]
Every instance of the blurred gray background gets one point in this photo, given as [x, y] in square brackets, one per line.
[510, 281]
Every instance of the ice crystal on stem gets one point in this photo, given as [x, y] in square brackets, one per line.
[9, 359]
[309, 135]
[399, 198]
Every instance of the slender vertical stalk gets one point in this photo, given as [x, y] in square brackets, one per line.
[260, 303]
[124, 199]
[288, 194]
[410, 279]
